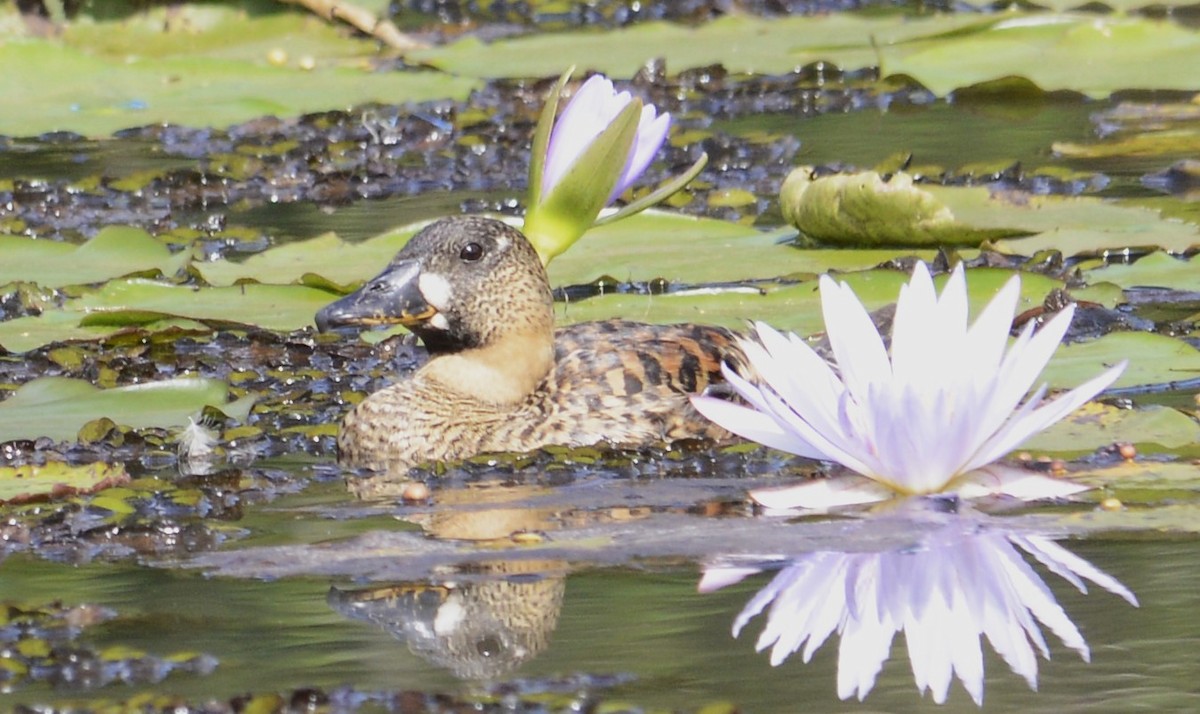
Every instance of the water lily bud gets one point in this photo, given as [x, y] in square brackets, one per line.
[598, 147]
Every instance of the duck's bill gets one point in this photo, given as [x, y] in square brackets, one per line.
[390, 298]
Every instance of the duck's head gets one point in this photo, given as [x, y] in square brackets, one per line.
[461, 283]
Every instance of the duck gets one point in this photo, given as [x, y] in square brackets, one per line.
[500, 377]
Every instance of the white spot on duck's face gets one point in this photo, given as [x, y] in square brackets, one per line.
[439, 322]
[436, 290]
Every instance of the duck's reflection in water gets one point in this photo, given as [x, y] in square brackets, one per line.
[480, 625]
[964, 576]
[482, 620]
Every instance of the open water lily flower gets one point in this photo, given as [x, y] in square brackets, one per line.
[957, 584]
[600, 145]
[949, 398]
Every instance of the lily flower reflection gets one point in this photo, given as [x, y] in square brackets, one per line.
[945, 402]
[603, 141]
[958, 582]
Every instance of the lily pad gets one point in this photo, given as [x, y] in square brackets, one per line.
[1157, 269]
[209, 67]
[57, 407]
[57, 479]
[1153, 359]
[795, 307]
[651, 245]
[864, 209]
[942, 52]
[1148, 482]
[120, 304]
[328, 256]
[1095, 425]
[1074, 225]
[114, 252]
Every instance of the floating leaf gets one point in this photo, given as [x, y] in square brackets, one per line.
[1157, 269]
[328, 256]
[113, 252]
[863, 209]
[1072, 225]
[111, 75]
[56, 479]
[653, 244]
[942, 52]
[153, 305]
[1149, 482]
[57, 407]
[1153, 359]
[788, 307]
[1095, 425]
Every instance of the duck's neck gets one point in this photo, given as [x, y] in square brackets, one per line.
[503, 372]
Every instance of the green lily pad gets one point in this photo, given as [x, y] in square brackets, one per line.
[648, 246]
[57, 407]
[328, 256]
[1158, 269]
[121, 304]
[113, 252]
[207, 65]
[683, 249]
[795, 307]
[942, 52]
[863, 209]
[1095, 425]
[56, 480]
[1148, 482]
[1074, 225]
[1153, 359]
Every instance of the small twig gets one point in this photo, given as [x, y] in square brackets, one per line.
[361, 19]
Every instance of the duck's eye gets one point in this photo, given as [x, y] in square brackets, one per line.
[471, 252]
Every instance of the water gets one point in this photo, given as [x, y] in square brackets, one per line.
[643, 617]
[649, 623]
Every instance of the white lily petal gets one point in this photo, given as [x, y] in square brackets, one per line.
[999, 480]
[754, 425]
[1018, 429]
[651, 133]
[853, 338]
[717, 577]
[1060, 560]
[822, 494]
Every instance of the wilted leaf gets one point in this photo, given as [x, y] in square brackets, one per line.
[113, 252]
[56, 479]
[863, 209]
[57, 406]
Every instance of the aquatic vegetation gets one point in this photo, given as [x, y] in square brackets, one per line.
[923, 417]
